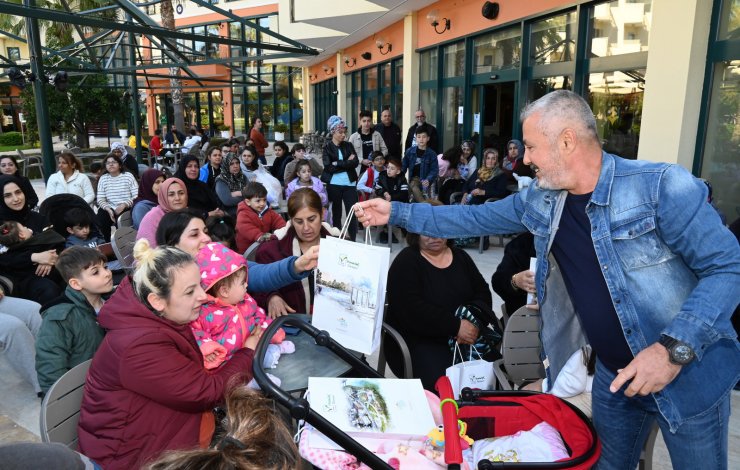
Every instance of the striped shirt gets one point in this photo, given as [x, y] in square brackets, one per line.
[115, 190]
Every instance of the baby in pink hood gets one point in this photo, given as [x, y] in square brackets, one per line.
[230, 314]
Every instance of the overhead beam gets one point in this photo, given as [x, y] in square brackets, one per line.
[251, 24]
[81, 34]
[225, 60]
[55, 15]
[145, 20]
[207, 81]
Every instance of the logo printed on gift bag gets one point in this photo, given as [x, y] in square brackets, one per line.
[476, 379]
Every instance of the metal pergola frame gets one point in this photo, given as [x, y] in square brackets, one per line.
[97, 53]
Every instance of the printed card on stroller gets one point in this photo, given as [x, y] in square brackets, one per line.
[370, 410]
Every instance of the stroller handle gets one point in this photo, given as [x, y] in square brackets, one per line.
[299, 407]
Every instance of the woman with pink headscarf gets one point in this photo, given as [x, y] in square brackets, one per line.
[172, 195]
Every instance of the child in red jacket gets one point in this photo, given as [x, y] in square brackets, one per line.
[255, 221]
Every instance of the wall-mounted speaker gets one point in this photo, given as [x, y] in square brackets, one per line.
[490, 10]
[366, 55]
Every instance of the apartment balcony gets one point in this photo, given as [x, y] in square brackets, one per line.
[629, 13]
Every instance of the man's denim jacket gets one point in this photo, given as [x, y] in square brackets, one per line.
[670, 266]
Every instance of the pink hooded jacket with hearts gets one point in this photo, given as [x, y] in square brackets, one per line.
[222, 328]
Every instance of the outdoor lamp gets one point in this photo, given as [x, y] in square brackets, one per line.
[433, 19]
[328, 70]
[349, 61]
[381, 44]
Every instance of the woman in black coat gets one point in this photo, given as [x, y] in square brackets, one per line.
[30, 264]
[340, 173]
[200, 197]
[9, 166]
[486, 182]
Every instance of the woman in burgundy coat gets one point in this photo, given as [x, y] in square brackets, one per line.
[147, 390]
[304, 230]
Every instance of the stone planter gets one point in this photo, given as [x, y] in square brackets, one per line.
[279, 136]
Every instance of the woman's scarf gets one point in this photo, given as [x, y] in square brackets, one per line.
[508, 162]
[6, 213]
[196, 188]
[162, 193]
[146, 192]
[235, 182]
[121, 147]
[485, 173]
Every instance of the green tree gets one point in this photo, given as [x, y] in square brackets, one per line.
[77, 109]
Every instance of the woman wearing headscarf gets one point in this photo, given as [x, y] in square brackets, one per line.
[9, 166]
[514, 160]
[200, 196]
[171, 196]
[486, 182]
[340, 173]
[147, 198]
[129, 161]
[229, 184]
[29, 264]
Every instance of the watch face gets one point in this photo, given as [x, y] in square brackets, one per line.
[683, 354]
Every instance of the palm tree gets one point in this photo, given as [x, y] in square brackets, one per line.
[168, 22]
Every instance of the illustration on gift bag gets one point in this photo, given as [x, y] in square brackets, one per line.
[349, 290]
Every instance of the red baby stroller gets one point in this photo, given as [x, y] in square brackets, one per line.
[491, 413]
[488, 413]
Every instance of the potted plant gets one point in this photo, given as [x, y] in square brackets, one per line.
[123, 130]
[280, 130]
[225, 130]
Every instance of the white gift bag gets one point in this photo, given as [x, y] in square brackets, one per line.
[273, 186]
[474, 373]
[349, 291]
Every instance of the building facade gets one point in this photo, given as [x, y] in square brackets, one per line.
[662, 76]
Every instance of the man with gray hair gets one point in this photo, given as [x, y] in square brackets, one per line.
[632, 260]
[420, 119]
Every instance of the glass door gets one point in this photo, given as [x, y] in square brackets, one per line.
[493, 116]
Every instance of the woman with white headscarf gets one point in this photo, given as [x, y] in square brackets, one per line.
[129, 161]
[340, 173]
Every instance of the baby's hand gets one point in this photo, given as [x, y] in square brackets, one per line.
[254, 338]
[211, 357]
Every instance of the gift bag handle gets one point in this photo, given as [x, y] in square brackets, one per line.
[345, 228]
[473, 348]
[456, 352]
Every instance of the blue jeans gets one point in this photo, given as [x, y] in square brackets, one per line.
[623, 425]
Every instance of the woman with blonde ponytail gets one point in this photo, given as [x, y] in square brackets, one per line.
[147, 390]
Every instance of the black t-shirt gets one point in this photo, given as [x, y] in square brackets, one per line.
[367, 145]
[416, 170]
[574, 251]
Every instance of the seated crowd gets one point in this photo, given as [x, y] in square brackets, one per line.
[222, 203]
[229, 202]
